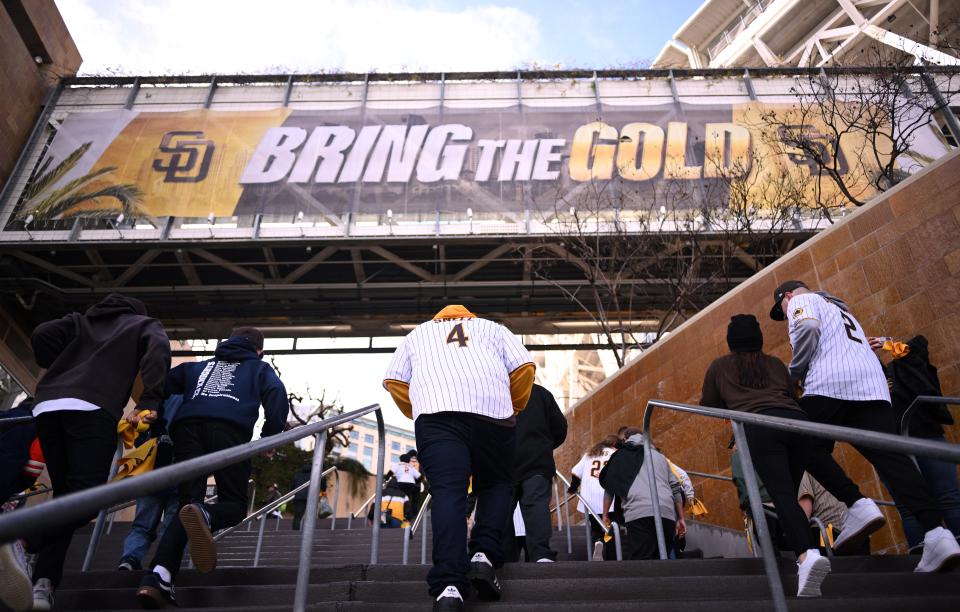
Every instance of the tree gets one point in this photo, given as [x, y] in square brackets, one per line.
[44, 200]
[652, 253]
[859, 131]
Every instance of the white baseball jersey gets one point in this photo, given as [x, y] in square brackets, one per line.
[588, 471]
[843, 366]
[459, 365]
[404, 472]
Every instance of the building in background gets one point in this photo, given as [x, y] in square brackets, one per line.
[805, 33]
[363, 443]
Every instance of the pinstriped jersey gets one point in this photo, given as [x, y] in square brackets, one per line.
[843, 366]
[459, 365]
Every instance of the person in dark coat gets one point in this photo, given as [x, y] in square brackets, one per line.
[221, 405]
[91, 361]
[18, 470]
[541, 428]
[911, 374]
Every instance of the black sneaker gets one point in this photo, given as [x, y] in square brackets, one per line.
[129, 564]
[483, 578]
[154, 592]
[203, 550]
[449, 601]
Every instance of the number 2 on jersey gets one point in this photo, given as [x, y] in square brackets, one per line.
[850, 326]
[457, 335]
[595, 468]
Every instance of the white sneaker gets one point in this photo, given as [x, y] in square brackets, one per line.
[810, 573]
[545, 560]
[863, 518]
[15, 584]
[478, 558]
[940, 551]
[43, 594]
[598, 551]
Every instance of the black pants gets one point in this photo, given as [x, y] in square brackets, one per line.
[641, 540]
[299, 509]
[780, 458]
[412, 491]
[897, 472]
[195, 438]
[533, 494]
[78, 446]
[452, 446]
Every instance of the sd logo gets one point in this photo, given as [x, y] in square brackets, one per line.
[189, 157]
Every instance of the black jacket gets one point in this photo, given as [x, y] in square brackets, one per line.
[912, 376]
[541, 427]
[96, 356]
[621, 470]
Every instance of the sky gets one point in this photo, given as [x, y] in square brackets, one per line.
[241, 36]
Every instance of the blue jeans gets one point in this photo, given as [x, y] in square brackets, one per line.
[147, 525]
[453, 446]
[941, 477]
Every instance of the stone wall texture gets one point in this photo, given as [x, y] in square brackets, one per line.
[23, 82]
[896, 261]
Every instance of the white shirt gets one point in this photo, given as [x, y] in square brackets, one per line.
[685, 483]
[843, 366]
[588, 471]
[64, 403]
[459, 365]
[519, 529]
[404, 472]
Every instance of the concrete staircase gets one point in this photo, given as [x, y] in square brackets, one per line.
[342, 580]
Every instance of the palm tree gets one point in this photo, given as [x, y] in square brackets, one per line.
[45, 202]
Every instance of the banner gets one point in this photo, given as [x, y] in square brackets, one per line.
[283, 161]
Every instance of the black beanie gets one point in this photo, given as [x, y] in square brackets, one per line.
[743, 334]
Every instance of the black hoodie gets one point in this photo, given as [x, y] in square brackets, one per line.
[231, 387]
[913, 375]
[95, 356]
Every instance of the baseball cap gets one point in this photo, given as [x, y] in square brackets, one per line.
[776, 313]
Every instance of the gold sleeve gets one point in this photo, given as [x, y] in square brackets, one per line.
[400, 391]
[521, 385]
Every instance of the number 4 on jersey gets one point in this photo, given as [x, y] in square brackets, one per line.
[457, 335]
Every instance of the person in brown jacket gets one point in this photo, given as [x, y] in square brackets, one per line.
[749, 380]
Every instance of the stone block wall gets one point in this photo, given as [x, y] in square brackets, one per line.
[896, 261]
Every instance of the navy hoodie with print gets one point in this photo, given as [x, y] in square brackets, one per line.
[231, 387]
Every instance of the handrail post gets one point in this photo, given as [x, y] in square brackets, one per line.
[349, 521]
[566, 516]
[616, 540]
[309, 523]
[586, 523]
[406, 544]
[378, 493]
[102, 515]
[336, 500]
[256, 554]
[556, 495]
[423, 540]
[823, 535]
[760, 519]
[253, 498]
[654, 494]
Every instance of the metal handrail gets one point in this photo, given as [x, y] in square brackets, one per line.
[606, 530]
[38, 491]
[80, 504]
[267, 508]
[586, 505]
[889, 442]
[421, 513]
[923, 399]
[14, 421]
[359, 512]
